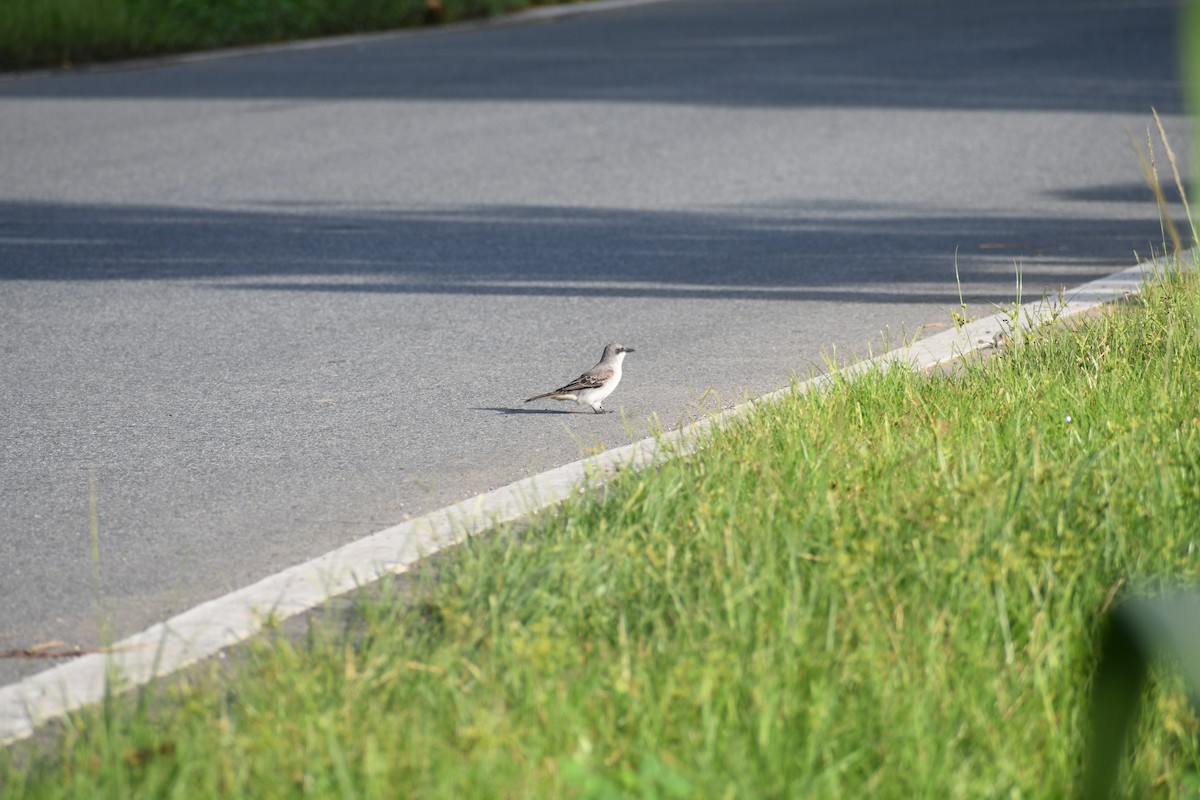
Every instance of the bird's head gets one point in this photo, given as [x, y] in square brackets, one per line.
[615, 350]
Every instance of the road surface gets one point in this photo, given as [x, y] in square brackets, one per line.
[267, 304]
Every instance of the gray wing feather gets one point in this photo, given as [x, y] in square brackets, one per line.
[589, 380]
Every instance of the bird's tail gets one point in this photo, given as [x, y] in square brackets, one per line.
[541, 396]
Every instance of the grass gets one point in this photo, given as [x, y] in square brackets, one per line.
[57, 33]
[889, 589]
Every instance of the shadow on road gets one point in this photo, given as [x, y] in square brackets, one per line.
[1025, 55]
[787, 253]
[1028, 54]
[516, 410]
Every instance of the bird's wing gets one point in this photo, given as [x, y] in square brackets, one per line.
[592, 379]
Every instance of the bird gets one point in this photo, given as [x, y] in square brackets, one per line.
[590, 388]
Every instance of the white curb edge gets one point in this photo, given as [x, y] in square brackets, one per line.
[210, 627]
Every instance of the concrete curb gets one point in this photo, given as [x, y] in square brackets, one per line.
[203, 631]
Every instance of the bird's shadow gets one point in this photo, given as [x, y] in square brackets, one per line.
[509, 410]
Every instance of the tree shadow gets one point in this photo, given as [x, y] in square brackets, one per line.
[1018, 55]
[782, 253]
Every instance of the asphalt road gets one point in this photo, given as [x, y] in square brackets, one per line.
[275, 302]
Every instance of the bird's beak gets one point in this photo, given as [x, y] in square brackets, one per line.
[630, 350]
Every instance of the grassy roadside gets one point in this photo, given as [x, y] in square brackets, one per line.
[57, 33]
[890, 589]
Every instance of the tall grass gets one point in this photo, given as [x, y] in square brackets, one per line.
[890, 589]
[41, 33]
